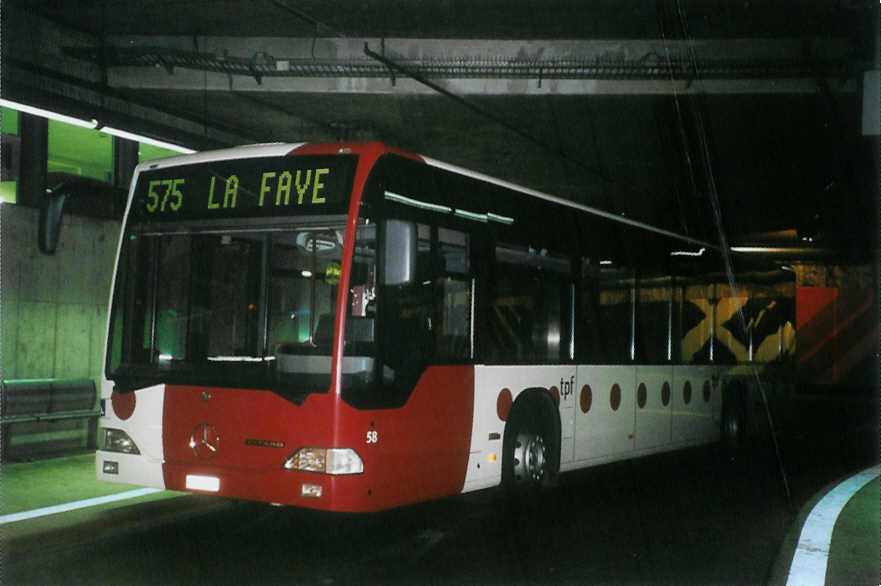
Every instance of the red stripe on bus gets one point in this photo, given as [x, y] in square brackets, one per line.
[413, 453]
[423, 447]
[368, 154]
[235, 416]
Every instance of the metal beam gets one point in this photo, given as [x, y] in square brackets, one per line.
[409, 49]
[130, 78]
[479, 67]
[39, 69]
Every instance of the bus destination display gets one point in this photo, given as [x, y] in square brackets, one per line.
[246, 188]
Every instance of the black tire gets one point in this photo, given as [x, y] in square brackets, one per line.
[732, 437]
[531, 448]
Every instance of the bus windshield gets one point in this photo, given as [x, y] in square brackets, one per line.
[229, 272]
[249, 307]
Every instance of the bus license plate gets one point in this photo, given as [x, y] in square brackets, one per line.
[206, 483]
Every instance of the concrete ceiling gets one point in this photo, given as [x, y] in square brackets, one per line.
[642, 108]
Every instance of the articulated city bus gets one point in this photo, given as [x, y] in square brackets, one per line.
[349, 327]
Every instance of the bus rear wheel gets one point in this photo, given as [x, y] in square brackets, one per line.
[733, 426]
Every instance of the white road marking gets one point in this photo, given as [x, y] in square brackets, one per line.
[812, 553]
[11, 518]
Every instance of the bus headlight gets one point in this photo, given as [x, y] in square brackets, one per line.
[326, 461]
[116, 440]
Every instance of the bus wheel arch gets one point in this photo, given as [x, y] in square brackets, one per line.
[531, 445]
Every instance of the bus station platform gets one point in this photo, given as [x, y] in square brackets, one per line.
[43, 499]
[49, 486]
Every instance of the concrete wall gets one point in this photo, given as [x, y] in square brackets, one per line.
[54, 308]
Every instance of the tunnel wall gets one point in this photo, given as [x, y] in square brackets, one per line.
[54, 308]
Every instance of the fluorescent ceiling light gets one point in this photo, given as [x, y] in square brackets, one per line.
[688, 253]
[91, 124]
[775, 249]
[240, 358]
[145, 139]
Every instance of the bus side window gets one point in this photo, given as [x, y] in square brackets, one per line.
[607, 315]
[525, 315]
[453, 297]
[174, 295]
[653, 306]
[590, 346]
[406, 332]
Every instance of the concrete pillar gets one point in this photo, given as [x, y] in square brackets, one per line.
[34, 133]
[125, 158]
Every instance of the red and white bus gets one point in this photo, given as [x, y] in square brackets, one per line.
[350, 327]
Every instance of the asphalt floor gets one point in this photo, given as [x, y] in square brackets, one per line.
[38, 486]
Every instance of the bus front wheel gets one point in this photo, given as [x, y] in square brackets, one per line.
[530, 458]
[529, 449]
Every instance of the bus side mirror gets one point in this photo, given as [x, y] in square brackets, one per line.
[399, 257]
[104, 200]
[51, 211]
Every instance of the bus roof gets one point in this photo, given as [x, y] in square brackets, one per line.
[251, 151]
[567, 203]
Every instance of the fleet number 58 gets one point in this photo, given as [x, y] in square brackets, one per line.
[372, 437]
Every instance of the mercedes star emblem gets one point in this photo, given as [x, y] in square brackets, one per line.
[204, 441]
